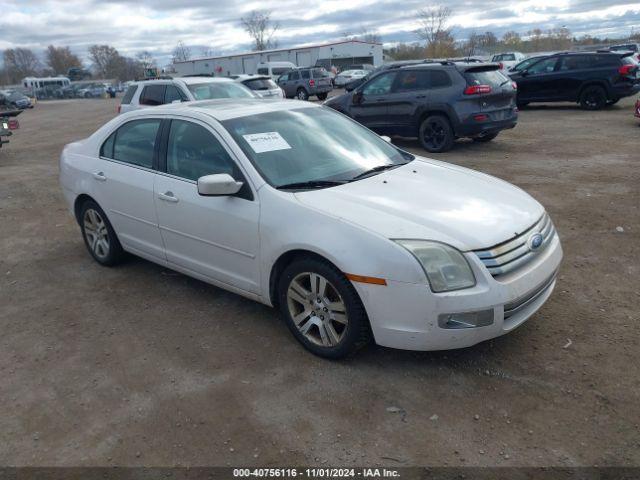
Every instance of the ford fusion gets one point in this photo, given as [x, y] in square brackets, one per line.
[301, 208]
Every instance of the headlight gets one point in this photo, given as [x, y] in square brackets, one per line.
[445, 267]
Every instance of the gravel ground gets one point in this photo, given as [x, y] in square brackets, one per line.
[139, 365]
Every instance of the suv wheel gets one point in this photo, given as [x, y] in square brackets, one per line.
[99, 236]
[302, 94]
[322, 308]
[322, 96]
[436, 134]
[593, 98]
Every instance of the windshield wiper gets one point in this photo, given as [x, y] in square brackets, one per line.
[379, 168]
[310, 184]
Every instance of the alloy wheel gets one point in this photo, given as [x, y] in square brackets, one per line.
[317, 309]
[434, 135]
[96, 233]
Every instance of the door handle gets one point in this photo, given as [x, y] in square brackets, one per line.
[168, 197]
[100, 176]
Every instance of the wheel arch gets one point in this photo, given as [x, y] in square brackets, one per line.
[78, 202]
[285, 259]
[594, 83]
[442, 111]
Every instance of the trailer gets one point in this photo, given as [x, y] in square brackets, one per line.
[338, 54]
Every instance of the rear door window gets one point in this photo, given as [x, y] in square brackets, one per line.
[128, 95]
[294, 76]
[546, 65]
[173, 93]
[575, 62]
[305, 74]
[411, 80]
[135, 142]
[152, 95]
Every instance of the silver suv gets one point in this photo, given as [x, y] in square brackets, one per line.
[303, 83]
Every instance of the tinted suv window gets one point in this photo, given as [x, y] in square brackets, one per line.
[546, 65]
[606, 61]
[263, 71]
[439, 79]
[152, 95]
[380, 85]
[294, 76]
[485, 77]
[305, 74]
[135, 141]
[194, 152]
[575, 62]
[128, 95]
[173, 93]
[412, 80]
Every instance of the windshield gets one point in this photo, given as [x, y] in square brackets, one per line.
[485, 77]
[280, 70]
[505, 57]
[310, 145]
[211, 90]
[260, 84]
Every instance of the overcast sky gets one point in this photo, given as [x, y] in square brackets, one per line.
[156, 25]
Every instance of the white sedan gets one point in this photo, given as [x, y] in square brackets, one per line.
[349, 76]
[299, 207]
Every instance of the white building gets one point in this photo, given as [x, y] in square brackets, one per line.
[339, 54]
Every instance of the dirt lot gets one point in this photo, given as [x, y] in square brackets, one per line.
[138, 365]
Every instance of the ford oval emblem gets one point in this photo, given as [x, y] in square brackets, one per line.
[535, 241]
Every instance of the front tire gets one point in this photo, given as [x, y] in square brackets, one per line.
[436, 134]
[302, 94]
[322, 309]
[593, 98]
[322, 96]
[98, 234]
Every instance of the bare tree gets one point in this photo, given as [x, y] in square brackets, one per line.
[370, 36]
[261, 29]
[60, 59]
[20, 63]
[106, 60]
[181, 53]
[435, 31]
[469, 47]
[146, 59]
[511, 38]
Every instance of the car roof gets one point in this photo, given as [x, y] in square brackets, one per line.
[247, 76]
[185, 80]
[226, 108]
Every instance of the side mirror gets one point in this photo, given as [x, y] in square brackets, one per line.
[385, 138]
[524, 73]
[357, 97]
[218, 185]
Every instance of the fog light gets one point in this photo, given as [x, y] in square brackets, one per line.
[466, 319]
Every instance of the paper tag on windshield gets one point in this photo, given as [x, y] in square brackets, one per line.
[266, 142]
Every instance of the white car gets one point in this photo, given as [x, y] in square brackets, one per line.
[296, 206]
[508, 59]
[349, 76]
[262, 85]
[151, 93]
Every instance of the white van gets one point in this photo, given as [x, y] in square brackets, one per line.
[274, 69]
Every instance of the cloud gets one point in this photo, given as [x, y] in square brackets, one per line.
[156, 25]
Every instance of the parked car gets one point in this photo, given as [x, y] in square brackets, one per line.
[592, 79]
[261, 85]
[303, 83]
[627, 47]
[274, 69]
[151, 93]
[91, 90]
[524, 64]
[14, 99]
[349, 76]
[637, 108]
[361, 66]
[296, 206]
[76, 73]
[508, 59]
[435, 102]
[8, 123]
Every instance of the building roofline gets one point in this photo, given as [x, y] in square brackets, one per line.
[301, 47]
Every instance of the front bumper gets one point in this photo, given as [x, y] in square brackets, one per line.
[405, 315]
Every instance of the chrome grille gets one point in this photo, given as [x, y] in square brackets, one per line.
[512, 254]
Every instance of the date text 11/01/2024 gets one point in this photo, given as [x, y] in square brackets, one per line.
[286, 473]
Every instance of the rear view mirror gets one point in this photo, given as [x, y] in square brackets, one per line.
[218, 185]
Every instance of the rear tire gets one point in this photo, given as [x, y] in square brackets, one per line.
[593, 98]
[436, 134]
[485, 138]
[612, 101]
[98, 234]
[322, 308]
[302, 94]
[322, 96]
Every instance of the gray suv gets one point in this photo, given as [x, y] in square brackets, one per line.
[303, 83]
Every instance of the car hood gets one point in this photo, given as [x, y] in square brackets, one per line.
[431, 200]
